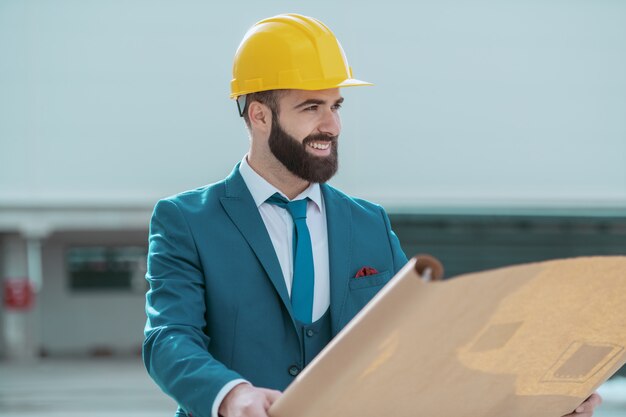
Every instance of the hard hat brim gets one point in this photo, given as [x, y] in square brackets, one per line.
[350, 82]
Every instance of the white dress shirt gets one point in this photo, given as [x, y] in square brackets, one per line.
[279, 225]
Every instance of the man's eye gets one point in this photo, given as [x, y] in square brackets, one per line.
[336, 106]
[311, 108]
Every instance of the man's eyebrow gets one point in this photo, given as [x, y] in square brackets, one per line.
[309, 102]
[313, 101]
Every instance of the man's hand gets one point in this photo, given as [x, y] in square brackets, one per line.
[586, 408]
[247, 401]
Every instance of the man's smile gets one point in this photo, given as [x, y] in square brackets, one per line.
[319, 148]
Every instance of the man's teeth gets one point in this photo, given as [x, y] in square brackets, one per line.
[321, 146]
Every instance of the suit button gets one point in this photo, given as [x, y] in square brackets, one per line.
[310, 333]
[294, 370]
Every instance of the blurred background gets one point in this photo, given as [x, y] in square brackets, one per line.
[495, 134]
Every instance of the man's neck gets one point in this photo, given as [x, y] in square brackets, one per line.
[279, 176]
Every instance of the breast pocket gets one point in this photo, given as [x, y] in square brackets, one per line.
[369, 281]
[361, 291]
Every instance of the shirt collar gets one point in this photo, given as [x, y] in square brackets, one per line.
[261, 190]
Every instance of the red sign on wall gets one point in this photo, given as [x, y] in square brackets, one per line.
[19, 294]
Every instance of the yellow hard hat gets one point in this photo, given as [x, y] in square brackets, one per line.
[290, 51]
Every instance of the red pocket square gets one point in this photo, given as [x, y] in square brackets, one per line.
[365, 271]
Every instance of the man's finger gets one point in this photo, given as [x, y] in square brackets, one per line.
[590, 403]
[587, 407]
[595, 399]
[273, 395]
[270, 396]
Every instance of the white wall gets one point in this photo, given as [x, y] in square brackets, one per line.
[476, 102]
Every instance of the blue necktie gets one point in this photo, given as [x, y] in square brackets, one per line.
[303, 271]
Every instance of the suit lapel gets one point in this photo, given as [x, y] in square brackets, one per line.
[339, 223]
[240, 207]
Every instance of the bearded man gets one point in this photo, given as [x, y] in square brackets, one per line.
[252, 276]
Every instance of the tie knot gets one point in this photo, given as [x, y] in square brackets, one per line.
[297, 208]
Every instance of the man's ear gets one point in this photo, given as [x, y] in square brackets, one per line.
[260, 116]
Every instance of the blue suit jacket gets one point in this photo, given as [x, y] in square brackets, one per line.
[218, 308]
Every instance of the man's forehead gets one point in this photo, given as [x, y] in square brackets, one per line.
[295, 96]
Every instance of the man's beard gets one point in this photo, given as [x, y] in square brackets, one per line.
[294, 156]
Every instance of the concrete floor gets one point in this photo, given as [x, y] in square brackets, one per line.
[115, 387]
[86, 388]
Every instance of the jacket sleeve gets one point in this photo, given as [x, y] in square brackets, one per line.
[399, 258]
[175, 350]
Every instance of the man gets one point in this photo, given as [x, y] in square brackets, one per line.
[252, 276]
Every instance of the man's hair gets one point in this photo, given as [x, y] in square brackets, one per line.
[269, 98]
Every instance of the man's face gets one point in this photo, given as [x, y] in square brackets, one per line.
[304, 135]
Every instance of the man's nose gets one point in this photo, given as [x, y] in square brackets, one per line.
[330, 124]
